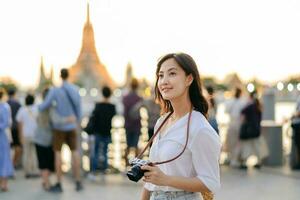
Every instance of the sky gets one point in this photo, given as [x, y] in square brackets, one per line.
[257, 38]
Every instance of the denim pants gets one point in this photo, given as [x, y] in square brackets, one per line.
[101, 145]
[174, 195]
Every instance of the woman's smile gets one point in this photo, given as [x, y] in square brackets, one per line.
[166, 89]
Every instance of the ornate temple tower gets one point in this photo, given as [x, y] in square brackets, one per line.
[129, 75]
[44, 81]
[88, 71]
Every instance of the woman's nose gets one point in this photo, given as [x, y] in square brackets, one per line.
[164, 80]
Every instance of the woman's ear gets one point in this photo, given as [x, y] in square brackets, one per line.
[189, 79]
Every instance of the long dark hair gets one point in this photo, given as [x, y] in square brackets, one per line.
[187, 63]
[253, 96]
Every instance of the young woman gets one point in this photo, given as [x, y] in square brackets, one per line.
[6, 166]
[178, 89]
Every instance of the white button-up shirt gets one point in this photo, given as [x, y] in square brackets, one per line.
[200, 159]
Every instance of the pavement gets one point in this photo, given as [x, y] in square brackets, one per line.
[266, 183]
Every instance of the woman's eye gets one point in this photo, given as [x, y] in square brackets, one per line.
[172, 73]
[160, 75]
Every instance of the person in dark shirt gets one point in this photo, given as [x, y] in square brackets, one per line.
[16, 144]
[252, 144]
[102, 118]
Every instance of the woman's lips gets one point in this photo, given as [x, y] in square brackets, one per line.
[166, 90]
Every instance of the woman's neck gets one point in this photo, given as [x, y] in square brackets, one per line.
[181, 107]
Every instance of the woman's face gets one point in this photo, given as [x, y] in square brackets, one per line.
[172, 80]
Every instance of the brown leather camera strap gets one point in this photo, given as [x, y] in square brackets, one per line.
[156, 133]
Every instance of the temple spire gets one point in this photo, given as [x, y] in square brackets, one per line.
[88, 14]
[51, 75]
[43, 82]
[42, 70]
[129, 75]
[88, 71]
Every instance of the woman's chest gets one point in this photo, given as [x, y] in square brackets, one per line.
[168, 148]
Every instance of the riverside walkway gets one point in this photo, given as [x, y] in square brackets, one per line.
[264, 184]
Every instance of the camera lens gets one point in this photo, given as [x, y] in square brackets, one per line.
[135, 174]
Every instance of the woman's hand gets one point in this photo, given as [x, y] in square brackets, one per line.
[154, 175]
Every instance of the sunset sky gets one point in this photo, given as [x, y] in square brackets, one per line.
[258, 38]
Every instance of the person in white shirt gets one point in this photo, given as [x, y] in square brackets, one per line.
[26, 118]
[178, 89]
[233, 108]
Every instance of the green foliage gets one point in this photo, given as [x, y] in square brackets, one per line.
[8, 86]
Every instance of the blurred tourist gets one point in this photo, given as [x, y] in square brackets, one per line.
[234, 107]
[16, 144]
[296, 133]
[251, 141]
[26, 118]
[43, 141]
[132, 119]
[6, 166]
[101, 118]
[67, 104]
[212, 109]
[153, 110]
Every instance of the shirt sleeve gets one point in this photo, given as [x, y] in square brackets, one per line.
[48, 101]
[206, 149]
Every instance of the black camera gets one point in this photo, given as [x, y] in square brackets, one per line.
[136, 173]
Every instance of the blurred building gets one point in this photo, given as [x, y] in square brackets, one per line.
[129, 75]
[143, 83]
[89, 72]
[44, 80]
[233, 81]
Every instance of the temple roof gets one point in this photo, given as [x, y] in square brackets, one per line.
[88, 71]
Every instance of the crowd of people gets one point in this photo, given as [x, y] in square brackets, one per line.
[35, 133]
[38, 132]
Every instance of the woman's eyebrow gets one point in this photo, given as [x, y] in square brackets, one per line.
[172, 68]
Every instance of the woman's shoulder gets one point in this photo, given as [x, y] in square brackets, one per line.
[199, 119]
[202, 129]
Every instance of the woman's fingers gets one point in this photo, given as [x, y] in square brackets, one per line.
[147, 174]
[147, 167]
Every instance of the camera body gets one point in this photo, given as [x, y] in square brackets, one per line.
[136, 173]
